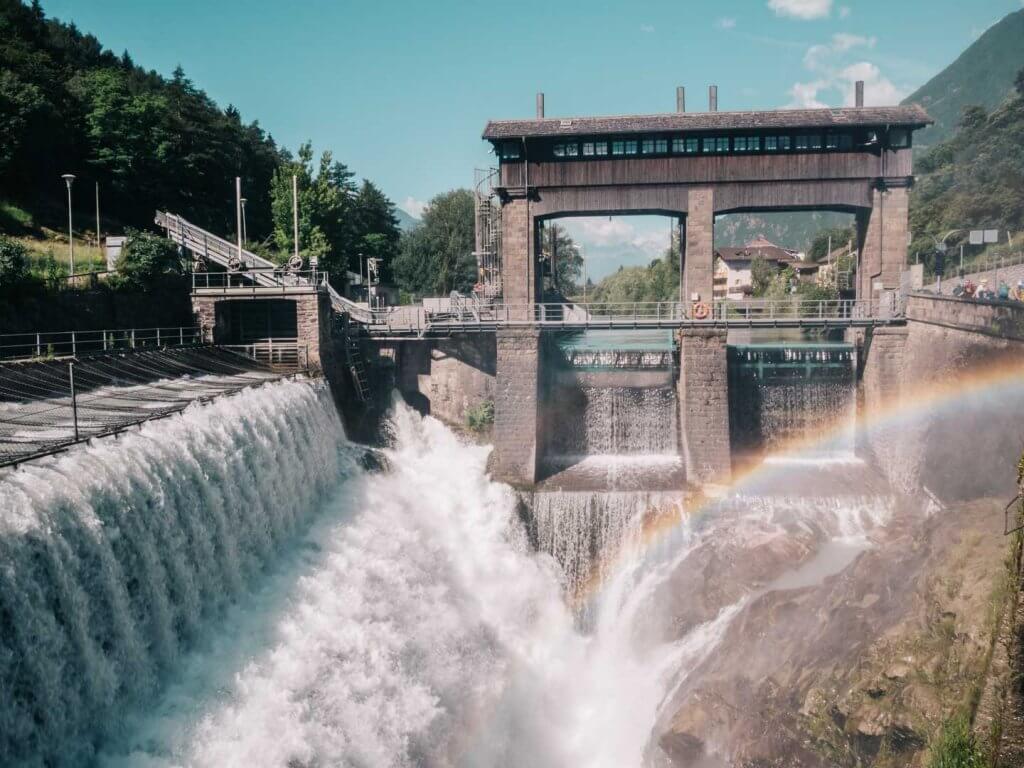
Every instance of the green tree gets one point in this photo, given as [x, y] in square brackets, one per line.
[568, 261]
[376, 227]
[762, 273]
[658, 281]
[147, 260]
[437, 257]
[838, 237]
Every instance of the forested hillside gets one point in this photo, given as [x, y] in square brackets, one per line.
[975, 179]
[67, 105]
[982, 75]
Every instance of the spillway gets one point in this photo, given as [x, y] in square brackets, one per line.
[231, 588]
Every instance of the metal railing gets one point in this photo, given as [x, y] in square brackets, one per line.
[260, 281]
[980, 266]
[28, 346]
[279, 354]
[752, 312]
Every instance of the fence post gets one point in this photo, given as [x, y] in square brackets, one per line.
[39, 346]
[133, 339]
[270, 350]
[74, 346]
[158, 337]
[181, 336]
[74, 399]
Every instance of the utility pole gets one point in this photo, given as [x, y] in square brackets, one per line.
[69, 179]
[74, 398]
[295, 211]
[238, 214]
[245, 235]
[99, 238]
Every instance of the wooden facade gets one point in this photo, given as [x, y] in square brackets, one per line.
[549, 168]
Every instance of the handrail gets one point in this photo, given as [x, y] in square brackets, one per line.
[33, 345]
[260, 280]
[289, 354]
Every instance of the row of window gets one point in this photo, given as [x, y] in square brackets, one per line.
[706, 145]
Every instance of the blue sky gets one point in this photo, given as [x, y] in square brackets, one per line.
[400, 91]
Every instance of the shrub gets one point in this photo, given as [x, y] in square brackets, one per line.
[147, 258]
[13, 262]
[480, 417]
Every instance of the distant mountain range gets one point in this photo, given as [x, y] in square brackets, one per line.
[406, 221]
[982, 75]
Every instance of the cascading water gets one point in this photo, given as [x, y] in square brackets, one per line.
[782, 392]
[411, 625]
[116, 556]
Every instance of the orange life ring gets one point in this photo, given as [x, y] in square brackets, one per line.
[701, 311]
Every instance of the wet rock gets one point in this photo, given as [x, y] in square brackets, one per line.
[374, 461]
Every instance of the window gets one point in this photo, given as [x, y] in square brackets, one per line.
[753, 143]
[647, 146]
[509, 150]
[571, 149]
[708, 145]
[899, 138]
[771, 143]
[684, 146]
[618, 147]
[600, 147]
[814, 140]
[588, 149]
[740, 143]
[631, 147]
[801, 142]
[838, 141]
[559, 150]
[784, 142]
[722, 144]
[661, 146]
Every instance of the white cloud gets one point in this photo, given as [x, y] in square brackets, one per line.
[648, 28]
[413, 207]
[834, 74]
[845, 11]
[726, 22]
[801, 9]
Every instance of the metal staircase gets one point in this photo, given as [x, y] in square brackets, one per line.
[356, 365]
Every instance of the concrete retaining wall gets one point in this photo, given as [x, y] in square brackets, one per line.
[1003, 319]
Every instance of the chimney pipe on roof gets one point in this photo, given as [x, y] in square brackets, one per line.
[712, 98]
[540, 106]
[858, 93]
[680, 99]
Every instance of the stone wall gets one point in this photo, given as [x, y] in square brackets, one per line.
[448, 377]
[704, 406]
[1003, 319]
[516, 416]
[698, 274]
[926, 415]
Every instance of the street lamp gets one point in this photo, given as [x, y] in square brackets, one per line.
[245, 238]
[69, 179]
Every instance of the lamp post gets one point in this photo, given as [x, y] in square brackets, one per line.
[69, 179]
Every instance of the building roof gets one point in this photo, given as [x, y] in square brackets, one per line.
[913, 116]
[759, 246]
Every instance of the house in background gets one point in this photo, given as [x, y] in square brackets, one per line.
[732, 266]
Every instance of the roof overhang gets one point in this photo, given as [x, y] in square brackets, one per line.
[911, 117]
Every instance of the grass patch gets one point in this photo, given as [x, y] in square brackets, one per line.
[15, 220]
[49, 259]
[955, 747]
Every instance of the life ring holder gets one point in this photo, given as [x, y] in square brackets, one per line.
[701, 311]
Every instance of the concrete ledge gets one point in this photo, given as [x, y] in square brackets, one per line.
[1001, 319]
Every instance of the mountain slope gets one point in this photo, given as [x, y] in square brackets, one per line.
[983, 75]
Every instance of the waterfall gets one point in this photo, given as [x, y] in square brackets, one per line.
[784, 392]
[116, 556]
[590, 420]
[236, 591]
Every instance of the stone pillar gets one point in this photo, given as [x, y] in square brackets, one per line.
[516, 406]
[881, 384]
[698, 273]
[518, 271]
[882, 239]
[703, 394]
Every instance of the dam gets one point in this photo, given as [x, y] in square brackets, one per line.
[698, 533]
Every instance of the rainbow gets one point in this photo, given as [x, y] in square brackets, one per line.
[997, 378]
